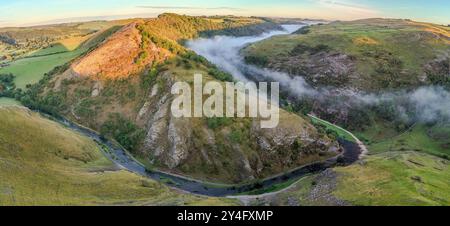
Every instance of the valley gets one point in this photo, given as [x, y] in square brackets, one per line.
[121, 90]
[111, 85]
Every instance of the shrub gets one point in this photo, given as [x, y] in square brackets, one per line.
[216, 122]
[303, 30]
[123, 130]
[257, 60]
[220, 75]
[303, 48]
[7, 85]
[236, 136]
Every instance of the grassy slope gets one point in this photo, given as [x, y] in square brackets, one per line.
[429, 139]
[4, 101]
[395, 178]
[406, 178]
[43, 163]
[373, 43]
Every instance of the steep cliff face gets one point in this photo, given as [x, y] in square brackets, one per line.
[122, 88]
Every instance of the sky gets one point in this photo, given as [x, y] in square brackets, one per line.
[36, 12]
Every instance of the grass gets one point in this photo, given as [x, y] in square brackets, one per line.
[328, 126]
[386, 179]
[432, 140]
[4, 101]
[43, 163]
[55, 48]
[31, 70]
[64, 45]
[396, 178]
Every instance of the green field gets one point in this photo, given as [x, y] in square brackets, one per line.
[55, 48]
[31, 70]
[43, 163]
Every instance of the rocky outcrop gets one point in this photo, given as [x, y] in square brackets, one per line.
[323, 68]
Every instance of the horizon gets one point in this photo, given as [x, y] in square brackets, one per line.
[47, 12]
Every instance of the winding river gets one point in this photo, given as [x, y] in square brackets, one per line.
[224, 52]
[122, 158]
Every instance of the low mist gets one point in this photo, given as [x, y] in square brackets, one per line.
[425, 104]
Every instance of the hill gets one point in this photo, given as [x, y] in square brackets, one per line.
[390, 179]
[43, 163]
[372, 75]
[366, 55]
[122, 89]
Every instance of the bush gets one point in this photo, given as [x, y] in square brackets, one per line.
[220, 75]
[303, 31]
[303, 48]
[123, 131]
[257, 60]
[216, 122]
[7, 86]
[236, 136]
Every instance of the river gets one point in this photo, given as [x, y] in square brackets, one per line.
[224, 52]
[122, 158]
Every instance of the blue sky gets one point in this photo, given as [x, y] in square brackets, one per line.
[32, 12]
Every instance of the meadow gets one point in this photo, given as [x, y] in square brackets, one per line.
[32, 69]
